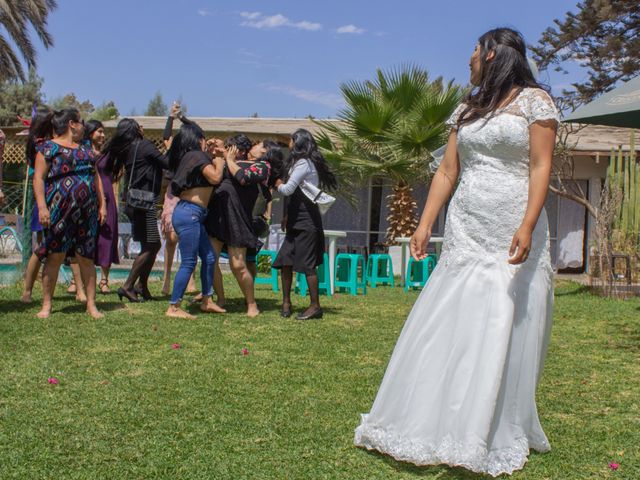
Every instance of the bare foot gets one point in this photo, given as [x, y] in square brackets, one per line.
[72, 287]
[95, 313]
[252, 310]
[210, 307]
[26, 297]
[197, 299]
[166, 289]
[176, 312]
[81, 297]
[44, 313]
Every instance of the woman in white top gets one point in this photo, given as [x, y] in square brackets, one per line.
[303, 247]
[460, 386]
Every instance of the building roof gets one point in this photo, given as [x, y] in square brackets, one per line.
[598, 138]
[262, 126]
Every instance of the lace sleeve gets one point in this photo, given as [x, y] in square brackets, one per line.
[540, 107]
[452, 121]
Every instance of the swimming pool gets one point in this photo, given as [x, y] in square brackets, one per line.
[11, 273]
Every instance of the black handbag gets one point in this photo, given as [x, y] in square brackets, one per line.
[136, 198]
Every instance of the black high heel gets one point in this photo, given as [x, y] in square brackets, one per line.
[128, 295]
[309, 316]
[146, 295]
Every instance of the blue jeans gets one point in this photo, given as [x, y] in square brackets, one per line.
[193, 241]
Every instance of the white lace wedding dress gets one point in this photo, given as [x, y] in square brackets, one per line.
[460, 386]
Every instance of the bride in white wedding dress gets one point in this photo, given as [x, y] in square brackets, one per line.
[460, 386]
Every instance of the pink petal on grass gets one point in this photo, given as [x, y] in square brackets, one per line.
[614, 466]
[52, 380]
[245, 351]
[176, 346]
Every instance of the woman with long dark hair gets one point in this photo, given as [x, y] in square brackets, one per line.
[194, 174]
[69, 196]
[303, 247]
[107, 245]
[460, 386]
[230, 217]
[139, 161]
[39, 131]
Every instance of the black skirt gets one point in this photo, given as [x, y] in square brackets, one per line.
[302, 249]
[144, 225]
[229, 219]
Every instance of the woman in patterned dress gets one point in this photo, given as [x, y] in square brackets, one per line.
[70, 201]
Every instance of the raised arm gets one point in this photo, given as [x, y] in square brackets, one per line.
[213, 172]
[442, 185]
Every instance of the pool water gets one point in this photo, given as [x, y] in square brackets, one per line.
[11, 273]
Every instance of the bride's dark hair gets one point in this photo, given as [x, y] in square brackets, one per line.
[508, 68]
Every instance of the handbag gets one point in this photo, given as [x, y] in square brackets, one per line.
[136, 198]
[322, 199]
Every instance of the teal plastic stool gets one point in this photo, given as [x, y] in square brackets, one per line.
[380, 270]
[271, 279]
[350, 273]
[418, 272]
[323, 279]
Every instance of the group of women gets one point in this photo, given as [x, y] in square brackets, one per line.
[218, 202]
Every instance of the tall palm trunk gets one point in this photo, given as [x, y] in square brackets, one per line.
[403, 216]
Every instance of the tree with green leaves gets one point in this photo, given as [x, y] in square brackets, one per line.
[70, 100]
[17, 98]
[17, 18]
[106, 111]
[157, 107]
[604, 37]
[389, 127]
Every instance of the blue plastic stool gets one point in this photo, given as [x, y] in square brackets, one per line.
[323, 279]
[273, 278]
[380, 270]
[418, 272]
[350, 273]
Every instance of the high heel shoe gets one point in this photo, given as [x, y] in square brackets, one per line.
[315, 314]
[128, 295]
[145, 294]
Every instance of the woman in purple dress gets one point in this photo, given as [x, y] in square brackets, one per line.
[107, 245]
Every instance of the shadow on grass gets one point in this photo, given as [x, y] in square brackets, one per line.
[266, 305]
[82, 307]
[575, 290]
[441, 472]
[16, 306]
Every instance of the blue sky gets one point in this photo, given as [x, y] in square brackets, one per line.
[278, 58]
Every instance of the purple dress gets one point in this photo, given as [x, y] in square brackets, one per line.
[107, 246]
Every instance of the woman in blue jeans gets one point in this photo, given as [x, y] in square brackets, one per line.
[194, 175]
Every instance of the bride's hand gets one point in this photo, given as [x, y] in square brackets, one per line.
[520, 246]
[418, 243]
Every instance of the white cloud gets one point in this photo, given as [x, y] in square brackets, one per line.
[331, 100]
[260, 21]
[203, 12]
[350, 29]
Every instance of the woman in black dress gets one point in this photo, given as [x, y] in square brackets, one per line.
[230, 213]
[303, 247]
[130, 152]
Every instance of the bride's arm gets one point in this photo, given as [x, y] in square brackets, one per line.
[542, 138]
[442, 185]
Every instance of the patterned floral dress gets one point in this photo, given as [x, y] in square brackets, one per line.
[72, 200]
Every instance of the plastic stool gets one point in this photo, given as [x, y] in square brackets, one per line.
[377, 262]
[271, 279]
[323, 279]
[350, 273]
[418, 272]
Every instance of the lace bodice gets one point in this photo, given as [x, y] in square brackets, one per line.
[490, 201]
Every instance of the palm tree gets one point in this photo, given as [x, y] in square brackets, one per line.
[16, 16]
[388, 129]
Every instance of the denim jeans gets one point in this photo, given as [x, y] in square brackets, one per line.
[193, 241]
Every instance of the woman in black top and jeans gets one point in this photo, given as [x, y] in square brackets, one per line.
[194, 174]
[142, 164]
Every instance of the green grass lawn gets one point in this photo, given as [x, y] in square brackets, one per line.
[130, 406]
